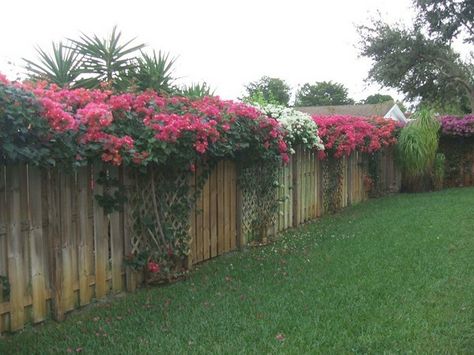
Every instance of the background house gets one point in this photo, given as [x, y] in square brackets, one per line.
[387, 109]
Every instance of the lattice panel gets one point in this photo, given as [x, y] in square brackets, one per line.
[158, 208]
[333, 179]
[259, 199]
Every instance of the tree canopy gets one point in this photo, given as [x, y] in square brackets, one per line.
[271, 90]
[418, 61]
[323, 93]
[377, 98]
[447, 19]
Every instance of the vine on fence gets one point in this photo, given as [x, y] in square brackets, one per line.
[161, 139]
[459, 152]
[333, 177]
[344, 135]
[259, 184]
[372, 180]
[4, 287]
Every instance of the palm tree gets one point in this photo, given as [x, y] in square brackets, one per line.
[104, 59]
[196, 90]
[62, 67]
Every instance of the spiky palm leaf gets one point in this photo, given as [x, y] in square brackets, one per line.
[153, 71]
[196, 90]
[61, 67]
[105, 58]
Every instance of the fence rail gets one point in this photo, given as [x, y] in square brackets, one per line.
[59, 250]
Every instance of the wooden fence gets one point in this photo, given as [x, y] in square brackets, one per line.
[459, 167]
[59, 250]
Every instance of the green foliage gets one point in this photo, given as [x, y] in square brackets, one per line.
[137, 261]
[417, 147]
[61, 67]
[333, 178]
[92, 61]
[153, 72]
[23, 132]
[323, 93]
[113, 196]
[447, 19]
[374, 174]
[4, 287]
[459, 154]
[273, 90]
[105, 58]
[196, 90]
[423, 68]
[377, 99]
[439, 171]
[259, 184]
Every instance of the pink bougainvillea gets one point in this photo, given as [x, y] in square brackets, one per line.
[344, 134]
[144, 127]
[153, 267]
[458, 126]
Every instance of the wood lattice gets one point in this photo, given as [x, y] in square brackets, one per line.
[158, 208]
[259, 199]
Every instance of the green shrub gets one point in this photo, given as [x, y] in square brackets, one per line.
[417, 147]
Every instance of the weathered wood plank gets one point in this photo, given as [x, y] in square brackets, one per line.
[295, 184]
[130, 274]
[100, 239]
[66, 238]
[220, 207]
[3, 240]
[192, 223]
[37, 245]
[233, 205]
[116, 242]
[226, 205]
[206, 222]
[15, 255]
[55, 243]
[213, 213]
[199, 235]
[84, 232]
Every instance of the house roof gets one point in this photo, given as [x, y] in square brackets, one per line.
[366, 110]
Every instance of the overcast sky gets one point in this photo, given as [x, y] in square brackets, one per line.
[225, 43]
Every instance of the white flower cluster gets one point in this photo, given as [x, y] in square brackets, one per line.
[300, 127]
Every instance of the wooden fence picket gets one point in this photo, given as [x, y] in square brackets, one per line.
[60, 250]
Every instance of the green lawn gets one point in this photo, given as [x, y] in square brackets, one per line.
[393, 275]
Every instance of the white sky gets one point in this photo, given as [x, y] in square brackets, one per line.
[225, 43]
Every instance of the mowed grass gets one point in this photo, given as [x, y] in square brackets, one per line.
[393, 275]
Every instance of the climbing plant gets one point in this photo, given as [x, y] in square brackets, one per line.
[160, 139]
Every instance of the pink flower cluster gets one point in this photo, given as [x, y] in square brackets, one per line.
[344, 134]
[103, 118]
[458, 126]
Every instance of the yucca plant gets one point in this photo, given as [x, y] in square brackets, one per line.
[196, 90]
[152, 71]
[417, 146]
[61, 67]
[105, 58]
